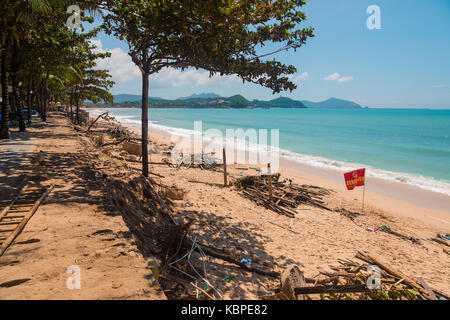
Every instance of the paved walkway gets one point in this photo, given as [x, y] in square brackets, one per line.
[75, 231]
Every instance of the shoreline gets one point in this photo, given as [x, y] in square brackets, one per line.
[406, 197]
[415, 182]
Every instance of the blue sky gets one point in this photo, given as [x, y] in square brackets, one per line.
[405, 64]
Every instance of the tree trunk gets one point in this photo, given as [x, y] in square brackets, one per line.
[29, 100]
[4, 131]
[145, 84]
[77, 118]
[45, 97]
[41, 100]
[18, 102]
[15, 66]
[71, 108]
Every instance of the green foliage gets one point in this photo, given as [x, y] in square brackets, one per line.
[220, 36]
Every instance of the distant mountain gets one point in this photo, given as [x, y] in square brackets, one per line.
[332, 103]
[238, 101]
[280, 102]
[212, 100]
[120, 98]
[201, 96]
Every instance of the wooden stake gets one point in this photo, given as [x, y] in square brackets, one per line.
[364, 196]
[269, 177]
[225, 181]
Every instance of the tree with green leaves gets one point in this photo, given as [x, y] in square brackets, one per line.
[35, 46]
[220, 36]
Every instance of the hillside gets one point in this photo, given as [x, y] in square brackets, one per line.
[212, 100]
[201, 96]
[332, 103]
[279, 103]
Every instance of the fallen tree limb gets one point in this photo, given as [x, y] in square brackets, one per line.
[440, 242]
[114, 143]
[100, 116]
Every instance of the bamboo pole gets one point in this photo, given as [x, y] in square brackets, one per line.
[25, 220]
[225, 181]
[269, 181]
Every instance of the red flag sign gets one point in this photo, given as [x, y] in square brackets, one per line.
[355, 179]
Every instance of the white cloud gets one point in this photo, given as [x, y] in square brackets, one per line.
[119, 64]
[177, 78]
[337, 77]
[441, 86]
[346, 79]
[332, 77]
[302, 76]
[123, 70]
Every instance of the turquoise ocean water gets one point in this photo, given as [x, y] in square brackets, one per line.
[409, 146]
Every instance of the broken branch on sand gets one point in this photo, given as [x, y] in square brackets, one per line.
[95, 121]
[288, 195]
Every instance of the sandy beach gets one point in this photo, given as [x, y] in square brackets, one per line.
[396, 198]
[221, 217]
[413, 210]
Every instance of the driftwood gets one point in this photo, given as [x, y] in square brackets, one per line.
[95, 121]
[440, 241]
[280, 196]
[215, 254]
[399, 275]
[388, 230]
[349, 281]
[291, 279]
[427, 288]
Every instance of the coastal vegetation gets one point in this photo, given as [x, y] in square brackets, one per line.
[180, 34]
[215, 101]
[44, 61]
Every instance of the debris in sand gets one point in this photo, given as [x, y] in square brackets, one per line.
[441, 239]
[203, 161]
[352, 280]
[387, 229]
[280, 196]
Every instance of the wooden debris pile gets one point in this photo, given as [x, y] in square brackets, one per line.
[280, 196]
[351, 280]
[203, 161]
